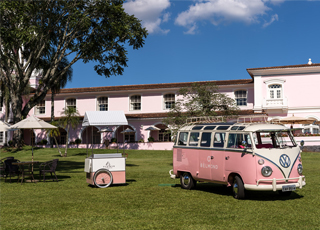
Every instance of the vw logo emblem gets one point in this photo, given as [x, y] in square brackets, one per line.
[284, 161]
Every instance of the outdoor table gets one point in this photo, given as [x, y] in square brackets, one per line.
[28, 171]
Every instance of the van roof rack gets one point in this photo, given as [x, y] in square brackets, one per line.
[205, 119]
[253, 119]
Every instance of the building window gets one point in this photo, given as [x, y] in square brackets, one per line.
[311, 129]
[169, 100]
[1, 137]
[164, 135]
[135, 102]
[241, 97]
[40, 108]
[102, 104]
[71, 102]
[275, 91]
[129, 137]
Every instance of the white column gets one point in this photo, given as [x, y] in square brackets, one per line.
[257, 94]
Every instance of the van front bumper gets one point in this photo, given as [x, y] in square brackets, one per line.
[275, 186]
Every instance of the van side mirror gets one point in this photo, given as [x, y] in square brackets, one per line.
[302, 143]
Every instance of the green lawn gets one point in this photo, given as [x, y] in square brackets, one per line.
[150, 199]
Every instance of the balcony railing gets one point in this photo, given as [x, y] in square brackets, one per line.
[279, 103]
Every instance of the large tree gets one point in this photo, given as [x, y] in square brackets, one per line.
[84, 30]
[201, 101]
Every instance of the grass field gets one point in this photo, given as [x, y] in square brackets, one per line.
[150, 199]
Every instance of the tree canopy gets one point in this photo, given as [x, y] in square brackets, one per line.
[34, 33]
[200, 100]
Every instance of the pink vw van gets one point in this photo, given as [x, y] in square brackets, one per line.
[246, 156]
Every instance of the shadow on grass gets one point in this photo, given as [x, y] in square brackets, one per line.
[131, 165]
[69, 166]
[249, 195]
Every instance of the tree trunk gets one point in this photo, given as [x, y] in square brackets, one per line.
[52, 113]
[17, 116]
[57, 145]
[65, 152]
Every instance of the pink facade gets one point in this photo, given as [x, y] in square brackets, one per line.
[276, 91]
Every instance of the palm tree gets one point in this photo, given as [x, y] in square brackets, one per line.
[53, 133]
[70, 118]
[67, 76]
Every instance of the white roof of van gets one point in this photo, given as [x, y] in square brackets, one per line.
[251, 127]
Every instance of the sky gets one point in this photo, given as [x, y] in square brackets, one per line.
[204, 40]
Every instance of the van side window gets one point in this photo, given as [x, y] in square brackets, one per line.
[235, 140]
[194, 139]
[183, 138]
[219, 140]
[205, 140]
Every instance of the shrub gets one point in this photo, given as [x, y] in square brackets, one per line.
[141, 140]
[78, 141]
[113, 140]
[151, 139]
[72, 143]
[42, 142]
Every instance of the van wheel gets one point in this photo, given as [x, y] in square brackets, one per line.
[238, 188]
[186, 181]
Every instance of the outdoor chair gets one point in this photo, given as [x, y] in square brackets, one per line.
[9, 169]
[48, 167]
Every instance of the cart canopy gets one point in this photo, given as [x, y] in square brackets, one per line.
[104, 118]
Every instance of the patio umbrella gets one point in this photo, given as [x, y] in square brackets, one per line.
[296, 120]
[127, 130]
[4, 126]
[32, 123]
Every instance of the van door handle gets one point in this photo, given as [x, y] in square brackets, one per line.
[212, 157]
[227, 158]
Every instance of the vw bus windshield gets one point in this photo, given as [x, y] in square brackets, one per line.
[273, 139]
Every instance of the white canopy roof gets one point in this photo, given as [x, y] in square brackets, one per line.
[102, 118]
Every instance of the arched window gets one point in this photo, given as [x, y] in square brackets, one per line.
[135, 102]
[275, 91]
[71, 102]
[102, 104]
[241, 97]
[169, 100]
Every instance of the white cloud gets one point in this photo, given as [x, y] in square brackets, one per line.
[219, 11]
[273, 18]
[150, 12]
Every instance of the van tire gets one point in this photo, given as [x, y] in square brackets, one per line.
[186, 181]
[238, 188]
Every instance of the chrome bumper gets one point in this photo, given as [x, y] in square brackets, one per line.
[274, 186]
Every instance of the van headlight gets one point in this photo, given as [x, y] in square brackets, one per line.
[266, 171]
[300, 169]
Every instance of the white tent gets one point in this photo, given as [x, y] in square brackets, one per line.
[103, 118]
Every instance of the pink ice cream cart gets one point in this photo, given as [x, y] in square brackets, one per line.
[102, 170]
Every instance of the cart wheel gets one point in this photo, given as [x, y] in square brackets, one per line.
[102, 178]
